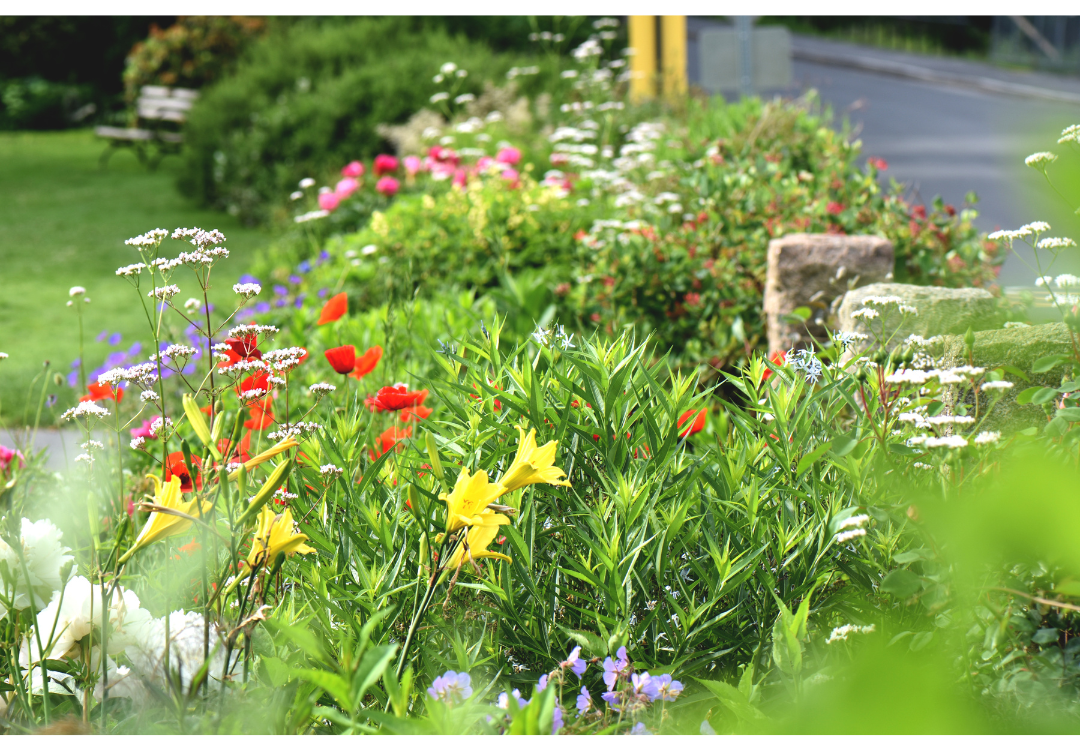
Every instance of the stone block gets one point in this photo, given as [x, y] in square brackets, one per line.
[813, 270]
[941, 311]
[1018, 347]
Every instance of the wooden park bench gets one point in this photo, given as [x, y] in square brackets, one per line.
[160, 111]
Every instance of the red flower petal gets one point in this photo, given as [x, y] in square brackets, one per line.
[342, 358]
[334, 308]
[366, 362]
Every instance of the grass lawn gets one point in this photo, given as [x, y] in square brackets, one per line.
[63, 223]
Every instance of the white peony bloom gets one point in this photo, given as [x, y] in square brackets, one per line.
[45, 558]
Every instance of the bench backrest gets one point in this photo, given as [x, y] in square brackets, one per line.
[164, 103]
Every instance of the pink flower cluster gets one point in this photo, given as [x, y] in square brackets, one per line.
[442, 163]
[353, 172]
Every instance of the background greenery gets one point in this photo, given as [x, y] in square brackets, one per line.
[63, 222]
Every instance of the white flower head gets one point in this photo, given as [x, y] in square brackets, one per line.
[76, 291]
[1040, 160]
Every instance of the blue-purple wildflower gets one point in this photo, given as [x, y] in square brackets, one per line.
[640, 728]
[612, 669]
[575, 662]
[644, 685]
[667, 689]
[452, 687]
[584, 700]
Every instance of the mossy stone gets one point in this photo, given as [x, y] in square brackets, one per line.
[1018, 347]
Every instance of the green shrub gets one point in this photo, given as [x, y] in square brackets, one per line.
[36, 104]
[308, 99]
[681, 254]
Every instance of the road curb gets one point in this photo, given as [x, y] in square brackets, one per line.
[918, 73]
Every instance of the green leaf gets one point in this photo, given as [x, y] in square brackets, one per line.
[1069, 414]
[843, 445]
[1045, 635]
[901, 583]
[810, 458]
[1025, 396]
[1016, 372]
[1044, 396]
[911, 556]
[370, 670]
[593, 644]
[902, 450]
[734, 700]
[1049, 362]
[1056, 427]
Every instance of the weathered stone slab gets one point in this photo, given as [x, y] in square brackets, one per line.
[941, 311]
[1018, 347]
[812, 270]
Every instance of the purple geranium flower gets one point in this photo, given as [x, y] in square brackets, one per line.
[247, 278]
[304, 267]
[556, 720]
[504, 699]
[666, 688]
[612, 669]
[101, 336]
[611, 697]
[575, 662]
[452, 687]
[262, 307]
[114, 340]
[644, 685]
[584, 701]
[640, 728]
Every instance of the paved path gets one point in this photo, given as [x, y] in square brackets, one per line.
[949, 126]
[62, 445]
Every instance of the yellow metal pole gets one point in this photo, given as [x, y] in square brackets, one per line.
[673, 49]
[643, 63]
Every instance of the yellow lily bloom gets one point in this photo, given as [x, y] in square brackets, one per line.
[275, 536]
[479, 537]
[470, 499]
[533, 465]
[279, 447]
[162, 525]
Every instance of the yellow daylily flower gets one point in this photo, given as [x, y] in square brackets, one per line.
[161, 525]
[479, 537]
[279, 447]
[275, 536]
[533, 465]
[470, 499]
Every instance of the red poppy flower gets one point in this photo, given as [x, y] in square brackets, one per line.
[342, 358]
[241, 454]
[697, 425]
[366, 362]
[388, 440]
[261, 414]
[245, 346]
[304, 356]
[777, 358]
[233, 358]
[397, 397]
[334, 308]
[103, 392]
[373, 405]
[259, 381]
[175, 466]
[415, 413]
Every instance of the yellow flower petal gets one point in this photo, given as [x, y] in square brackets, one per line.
[533, 465]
